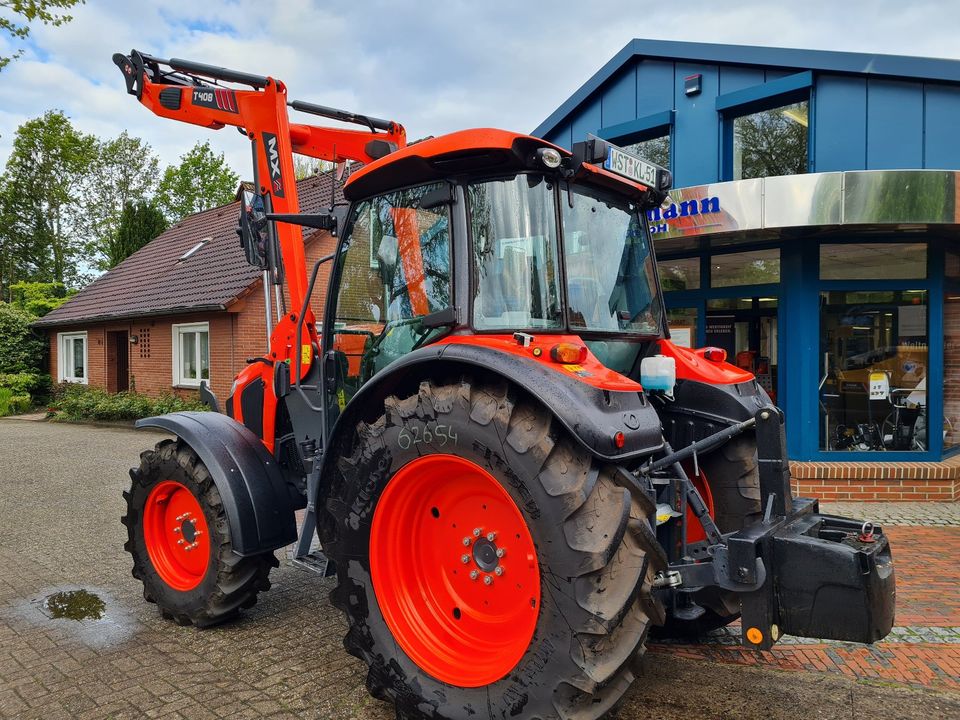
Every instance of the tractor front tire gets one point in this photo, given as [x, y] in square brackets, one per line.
[488, 566]
[179, 538]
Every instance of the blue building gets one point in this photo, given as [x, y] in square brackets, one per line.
[814, 229]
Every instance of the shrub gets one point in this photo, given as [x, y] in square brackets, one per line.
[35, 385]
[21, 349]
[19, 404]
[80, 402]
[5, 395]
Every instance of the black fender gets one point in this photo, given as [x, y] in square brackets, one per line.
[700, 409]
[251, 484]
[591, 415]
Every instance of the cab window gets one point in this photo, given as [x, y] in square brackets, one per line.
[396, 269]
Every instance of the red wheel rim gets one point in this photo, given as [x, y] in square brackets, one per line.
[176, 535]
[434, 570]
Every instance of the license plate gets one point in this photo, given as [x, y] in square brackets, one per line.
[630, 166]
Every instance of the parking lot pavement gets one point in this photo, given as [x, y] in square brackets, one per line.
[60, 505]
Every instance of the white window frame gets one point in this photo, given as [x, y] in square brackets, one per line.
[65, 369]
[178, 331]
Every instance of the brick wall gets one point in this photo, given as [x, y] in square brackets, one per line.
[951, 370]
[876, 481]
[235, 335]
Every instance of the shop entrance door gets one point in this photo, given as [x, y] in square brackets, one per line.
[747, 329]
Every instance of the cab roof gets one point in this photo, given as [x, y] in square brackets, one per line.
[457, 155]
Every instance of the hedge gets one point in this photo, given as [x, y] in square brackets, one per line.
[36, 385]
[83, 403]
[11, 404]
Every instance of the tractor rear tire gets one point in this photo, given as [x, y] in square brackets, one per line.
[179, 538]
[732, 473]
[579, 559]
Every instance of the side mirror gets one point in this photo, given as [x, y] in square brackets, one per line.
[254, 236]
[387, 257]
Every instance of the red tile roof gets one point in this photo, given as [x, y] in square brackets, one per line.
[155, 281]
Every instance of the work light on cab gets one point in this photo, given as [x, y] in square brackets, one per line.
[549, 157]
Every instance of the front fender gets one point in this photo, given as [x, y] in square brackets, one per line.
[254, 493]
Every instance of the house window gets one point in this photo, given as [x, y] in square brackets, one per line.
[655, 150]
[191, 354]
[72, 356]
[771, 142]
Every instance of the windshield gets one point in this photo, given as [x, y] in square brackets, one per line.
[611, 285]
[516, 263]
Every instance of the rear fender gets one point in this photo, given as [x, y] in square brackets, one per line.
[255, 495]
[592, 415]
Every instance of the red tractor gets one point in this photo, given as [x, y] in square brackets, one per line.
[512, 471]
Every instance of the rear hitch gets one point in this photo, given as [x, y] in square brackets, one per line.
[796, 571]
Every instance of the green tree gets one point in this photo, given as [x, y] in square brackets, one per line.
[201, 181]
[21, 349]
[125, 173]
[772, 142]
[41, 205]
[39, 298]
[139, 224]
[18, 14]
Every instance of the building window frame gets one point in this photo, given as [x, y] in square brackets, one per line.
[934, 286]
[788, 90]
[65, 347]
[179, 331]
[648, 127]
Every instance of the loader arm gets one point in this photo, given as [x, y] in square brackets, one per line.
[189, 92]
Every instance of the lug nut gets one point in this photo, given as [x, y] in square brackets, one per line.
[487, 580]
[491, 536]
[466, 541]
[498, 570]
[501, 552]
[474, 574]
[176, 529]
[181, 541]
[464, 559]
[476, 532]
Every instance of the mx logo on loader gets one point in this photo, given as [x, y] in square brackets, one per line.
[273, 160]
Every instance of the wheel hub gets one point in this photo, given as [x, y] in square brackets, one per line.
[176, 536]
[485, 555]
[451, 604]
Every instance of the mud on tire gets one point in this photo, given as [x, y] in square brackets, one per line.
[231, 582]
[597, 555]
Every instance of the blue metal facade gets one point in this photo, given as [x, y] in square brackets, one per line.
[866, 112]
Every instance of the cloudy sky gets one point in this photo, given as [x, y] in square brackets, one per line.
[433, 66]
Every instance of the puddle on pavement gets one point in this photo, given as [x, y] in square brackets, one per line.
[91, 616]
[74, 605]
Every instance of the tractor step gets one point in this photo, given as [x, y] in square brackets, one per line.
[315, 561]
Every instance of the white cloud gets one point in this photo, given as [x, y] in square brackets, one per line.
[435, 67]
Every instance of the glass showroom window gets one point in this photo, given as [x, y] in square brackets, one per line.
[72, 357]
[191, 354]
[771, 142]
[656, 150]
[873, 370]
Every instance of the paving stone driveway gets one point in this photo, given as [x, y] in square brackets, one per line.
[60, 506]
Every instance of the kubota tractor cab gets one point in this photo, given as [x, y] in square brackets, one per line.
[513, 472]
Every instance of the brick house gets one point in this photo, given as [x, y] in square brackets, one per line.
[186, 307]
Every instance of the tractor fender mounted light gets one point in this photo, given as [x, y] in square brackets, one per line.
[549, 157]
[715, 354]
[568, 353]
[619, 440]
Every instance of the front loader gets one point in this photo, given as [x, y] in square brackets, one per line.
[512, 471]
